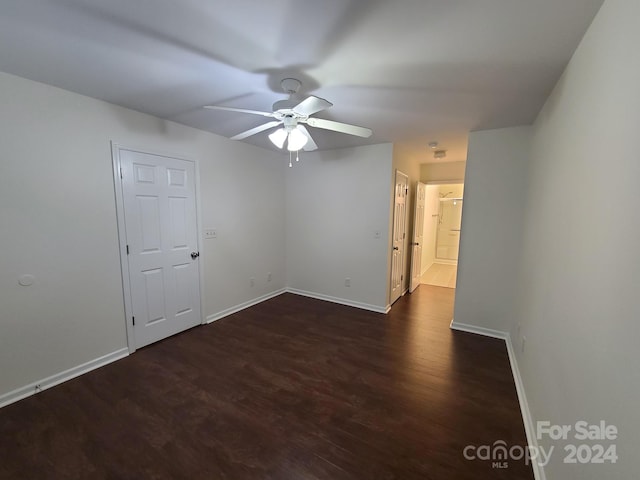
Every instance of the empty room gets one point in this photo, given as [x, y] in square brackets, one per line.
[335, 240]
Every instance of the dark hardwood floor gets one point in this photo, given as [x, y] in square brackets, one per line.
[291, 389]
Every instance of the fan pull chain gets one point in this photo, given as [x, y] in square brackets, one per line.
[290, 165]
[297, 155]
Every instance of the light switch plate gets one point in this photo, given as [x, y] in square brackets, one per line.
[210, 233]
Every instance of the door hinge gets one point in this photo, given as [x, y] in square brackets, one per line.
[121, 173]
[406, 190]
[404, 235]
[401, 277]
[134, 321]
[127, 249]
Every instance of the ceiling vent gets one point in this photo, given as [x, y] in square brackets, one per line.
[439, 154]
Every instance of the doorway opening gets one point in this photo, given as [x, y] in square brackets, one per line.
[441, 234]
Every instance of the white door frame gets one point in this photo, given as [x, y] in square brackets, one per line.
[116, 148]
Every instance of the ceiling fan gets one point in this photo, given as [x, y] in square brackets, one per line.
[293, 115]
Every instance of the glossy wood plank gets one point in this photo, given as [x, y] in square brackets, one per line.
[293, 388]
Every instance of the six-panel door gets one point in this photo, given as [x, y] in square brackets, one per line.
[161, 231]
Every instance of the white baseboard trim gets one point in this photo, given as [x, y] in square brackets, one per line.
[341, 301]
[235, 309]
[487, 332]
[529, 425]
[527, 419]
[58, 378]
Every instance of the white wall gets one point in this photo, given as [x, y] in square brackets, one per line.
[243, 195]
[57, 212]
[578, 303]
[494, 197]
[451, 190]
[442, 171]
[336, 201]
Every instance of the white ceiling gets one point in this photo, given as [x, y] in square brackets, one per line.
[412, 70]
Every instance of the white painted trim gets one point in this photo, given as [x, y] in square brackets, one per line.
[487, 332]
[58, 378]
[341, 301]
[529, 424]
[527, 419]
[122, 239]
[200, 241]
[230, 311]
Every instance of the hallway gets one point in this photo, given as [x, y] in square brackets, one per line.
[440, 275]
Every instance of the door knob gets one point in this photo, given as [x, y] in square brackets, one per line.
[195, 255]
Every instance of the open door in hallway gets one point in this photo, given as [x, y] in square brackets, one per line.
[416, 241]
[399, 234]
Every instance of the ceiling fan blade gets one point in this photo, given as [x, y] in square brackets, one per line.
[240, 110]
[311, 105]
[339, 127]
[258, 129]
[310, 145]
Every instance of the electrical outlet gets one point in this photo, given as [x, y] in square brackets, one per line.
[269, 277]
[252, 281]
[523, 341]
[38, 388]
[376, 234]
[347, 282]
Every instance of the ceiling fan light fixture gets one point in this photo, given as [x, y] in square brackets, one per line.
[278, 137]
[297, 140]
[288, 113]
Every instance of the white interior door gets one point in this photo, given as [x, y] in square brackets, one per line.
[399, 234]
[162, 243]
[417, 240]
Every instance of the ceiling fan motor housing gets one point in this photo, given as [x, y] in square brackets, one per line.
[285, 106]
[291, 87]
